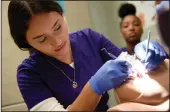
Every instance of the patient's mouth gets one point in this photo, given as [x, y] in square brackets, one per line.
[134, 75]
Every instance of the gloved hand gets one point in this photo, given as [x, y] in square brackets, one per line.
[156, 54]
[110, 75]
[163, 6]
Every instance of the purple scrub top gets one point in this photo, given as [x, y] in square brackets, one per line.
[124, 49]
[39, 80]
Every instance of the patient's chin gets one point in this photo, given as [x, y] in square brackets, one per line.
[143, 89]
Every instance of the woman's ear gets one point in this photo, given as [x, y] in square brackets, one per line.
[121, 33]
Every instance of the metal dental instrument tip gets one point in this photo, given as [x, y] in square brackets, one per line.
[149, 36]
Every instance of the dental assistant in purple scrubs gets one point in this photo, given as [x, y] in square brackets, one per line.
[61, 73]
[65, 71]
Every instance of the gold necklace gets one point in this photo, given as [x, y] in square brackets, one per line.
[74, 83]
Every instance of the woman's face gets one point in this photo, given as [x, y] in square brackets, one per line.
[131, 29]
[48, 33]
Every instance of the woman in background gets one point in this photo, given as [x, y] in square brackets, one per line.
[132, 30]
[130, 27]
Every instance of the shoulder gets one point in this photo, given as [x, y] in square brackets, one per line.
[85, 33]
[28, 67]
[124, 49]
[31, 61]
[88, 36]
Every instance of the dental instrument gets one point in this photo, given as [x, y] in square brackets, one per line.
[149, 35]
[110, 54]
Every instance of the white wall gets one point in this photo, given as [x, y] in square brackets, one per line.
[105, 19]
[12, 56]
[77, 15]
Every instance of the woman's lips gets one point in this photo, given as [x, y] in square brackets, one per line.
[60, 47]
[132, 34]
[134, 75]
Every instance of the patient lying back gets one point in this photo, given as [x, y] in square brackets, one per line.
[151, 88]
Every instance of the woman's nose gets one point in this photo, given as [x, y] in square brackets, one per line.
[131, 27]
[55, 42]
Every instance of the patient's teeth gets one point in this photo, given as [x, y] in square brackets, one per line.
[136, 65]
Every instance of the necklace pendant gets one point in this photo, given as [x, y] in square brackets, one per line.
[74, 84]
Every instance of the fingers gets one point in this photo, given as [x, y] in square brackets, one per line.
[151, 66]
[140, 52]
[125, 67]
[155, 51]
[159, 52]
[162, 50]
[121, 62]
[150, 55]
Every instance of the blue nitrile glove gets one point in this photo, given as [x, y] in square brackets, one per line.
[156, 54]
[163, 6]
[109, 76]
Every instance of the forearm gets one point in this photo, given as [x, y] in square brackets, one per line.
[130, 106]
[86, 101]
[161, 74]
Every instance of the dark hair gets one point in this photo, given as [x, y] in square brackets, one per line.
[127, 9]
[20, 13]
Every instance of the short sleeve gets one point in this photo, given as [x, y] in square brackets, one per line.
[31, 87]
[102, 42]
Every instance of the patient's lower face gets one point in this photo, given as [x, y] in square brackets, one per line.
[152, 88]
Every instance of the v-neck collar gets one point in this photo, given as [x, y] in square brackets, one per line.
[76, 53]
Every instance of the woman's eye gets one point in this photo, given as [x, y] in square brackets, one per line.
[125, 26]
[57, 28]
[43, 40]
[136, 23]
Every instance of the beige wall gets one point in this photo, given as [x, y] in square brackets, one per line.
[11, 58]
[77, 16]
[105, 19]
